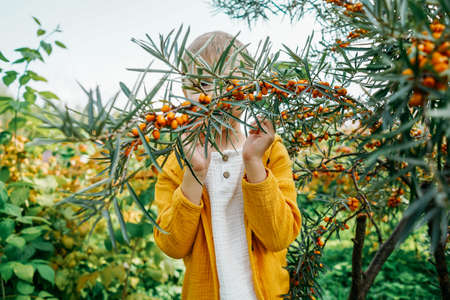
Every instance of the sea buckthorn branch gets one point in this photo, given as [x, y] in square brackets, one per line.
[367, 206]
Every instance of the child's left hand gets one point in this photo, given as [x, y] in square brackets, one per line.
[258, 142]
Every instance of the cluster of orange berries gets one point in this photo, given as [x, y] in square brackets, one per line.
[374, 144]
[352, 203]
[415, 132]
[167, 118]
[352, 35]
[357, 33]
[310, 138]
[340, 44]
[349, 6]
[170, 119]
[394, 200]
[437, 57]
[320, 242]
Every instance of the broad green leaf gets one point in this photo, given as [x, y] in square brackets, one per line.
[9, 77]
[5, 137]
[6, 228]
[16, 241]
[2, 57]
[16, 123]
[24, 79]
[3, 195]
[6, 270]
[24, 288]
[12, 210]
[40, 32]
[35, 77]
[4, 174]
[24, 272]
[47, 47]
[48, 95]
[46, 272]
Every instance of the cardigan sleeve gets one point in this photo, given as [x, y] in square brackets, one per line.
[271, 205]
[177, 215]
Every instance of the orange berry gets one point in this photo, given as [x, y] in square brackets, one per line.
[127, 151]
[207, 99]
[259, 96]
[429, 81]
[156, 134]
[170, 116]
[82, 148]
[186, 103]
[251, 97]
[161, 120]
[201, 97]
[174, 124]
[179, 120]
[135, 132]
[416, 99]
[407, 72]
[440, 67]
[264, 91]
[142, 126]
[150, 117]
[320, 242]
[428, 47]
[437, 35]
[165, 108]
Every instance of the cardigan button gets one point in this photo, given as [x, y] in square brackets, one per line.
[225, 157]
[226, 174]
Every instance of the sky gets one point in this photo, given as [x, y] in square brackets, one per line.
[98, 37]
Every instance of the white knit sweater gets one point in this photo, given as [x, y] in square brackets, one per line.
[227, 217]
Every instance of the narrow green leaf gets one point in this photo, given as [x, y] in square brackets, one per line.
[141, 206]
[125, 89]
[107, 216]
[119, 215]
[148, 150]
[37, 21]
[60, 44]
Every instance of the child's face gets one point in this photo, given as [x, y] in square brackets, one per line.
[209, 90]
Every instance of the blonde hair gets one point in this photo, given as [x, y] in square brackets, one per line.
[213, 50]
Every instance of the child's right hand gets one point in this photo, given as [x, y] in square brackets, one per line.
[199, 162]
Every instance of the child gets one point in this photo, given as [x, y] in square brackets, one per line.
[232, 231]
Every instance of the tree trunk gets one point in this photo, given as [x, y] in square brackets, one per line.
[357, 273]
[441, 266]
[381, 256]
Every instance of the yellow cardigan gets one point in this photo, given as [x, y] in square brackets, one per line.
[271, 217]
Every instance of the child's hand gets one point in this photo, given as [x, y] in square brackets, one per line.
[258, 142]
[198, 161]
